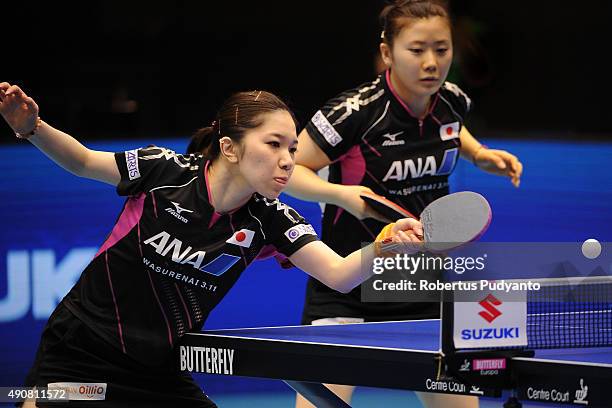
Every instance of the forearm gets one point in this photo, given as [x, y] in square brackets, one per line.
[60, 147]
[469, 145]
[337, 272]
[306, 185]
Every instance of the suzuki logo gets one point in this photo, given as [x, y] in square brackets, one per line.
[489, 304]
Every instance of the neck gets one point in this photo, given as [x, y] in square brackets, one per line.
[228, 190]
[419, 105]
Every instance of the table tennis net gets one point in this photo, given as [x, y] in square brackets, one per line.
[570, 312]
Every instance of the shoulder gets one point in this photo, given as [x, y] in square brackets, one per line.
[354, 103]
[273, 208]
[451, 94]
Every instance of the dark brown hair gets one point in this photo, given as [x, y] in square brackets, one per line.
[240, 112]
[393, 13]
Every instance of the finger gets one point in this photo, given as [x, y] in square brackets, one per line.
[500, 163]
[409, 225]
[519, 169]
[31, 105]
[4, 86]
[13, 90]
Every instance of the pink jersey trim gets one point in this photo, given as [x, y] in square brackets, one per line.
[215, 217]
[406, 107]
[132, 212]
[110, 284]
[353, 167]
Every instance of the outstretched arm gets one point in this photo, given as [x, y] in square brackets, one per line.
[343, 274]
[493, 161]
[21, 113]
[306, 185]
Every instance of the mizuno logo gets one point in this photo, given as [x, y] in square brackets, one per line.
[491, 312]
[177, 210]
[392, 139]
[180, 209]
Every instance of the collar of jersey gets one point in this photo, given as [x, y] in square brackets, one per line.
[432, 105]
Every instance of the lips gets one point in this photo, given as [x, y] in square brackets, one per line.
[281, 180]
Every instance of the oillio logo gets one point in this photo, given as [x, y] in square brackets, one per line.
[81, 391]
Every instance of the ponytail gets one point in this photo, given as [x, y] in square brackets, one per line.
[205, 141]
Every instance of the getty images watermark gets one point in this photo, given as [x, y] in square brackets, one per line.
[514, 268]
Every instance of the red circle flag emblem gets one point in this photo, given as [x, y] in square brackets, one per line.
[243, 238]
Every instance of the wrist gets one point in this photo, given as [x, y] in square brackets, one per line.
[476, 152]
[32, 132]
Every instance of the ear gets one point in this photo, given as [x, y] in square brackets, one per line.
[229, 149]
[385, 53]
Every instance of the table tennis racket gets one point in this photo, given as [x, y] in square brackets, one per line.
[448, 222]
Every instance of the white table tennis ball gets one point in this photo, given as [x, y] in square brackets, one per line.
[591, 248]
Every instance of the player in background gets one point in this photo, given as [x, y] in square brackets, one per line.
[399, 136]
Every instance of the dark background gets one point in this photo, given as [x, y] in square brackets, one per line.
[146, 69]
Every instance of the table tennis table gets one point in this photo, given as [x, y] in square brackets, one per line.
[400, 355]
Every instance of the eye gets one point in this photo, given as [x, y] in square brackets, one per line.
[293, 150]
[442, 51]
[416, 51]
[274, 144]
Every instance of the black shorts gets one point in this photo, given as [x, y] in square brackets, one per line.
[70, 352]
[322, 302]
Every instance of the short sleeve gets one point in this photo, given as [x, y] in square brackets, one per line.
[458, 99]
[146, 168]
[287, 230]
[336, 127]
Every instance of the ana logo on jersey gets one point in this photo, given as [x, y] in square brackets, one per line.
[418, 167]
[164, 243]
[449, 131]
[177, 210]
[242, 238]
[392, 139]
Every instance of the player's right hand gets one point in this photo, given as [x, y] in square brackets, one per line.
[349, 199]
[19, 110]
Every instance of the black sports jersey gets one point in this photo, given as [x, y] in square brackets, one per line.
[171, 258]
[373, 139]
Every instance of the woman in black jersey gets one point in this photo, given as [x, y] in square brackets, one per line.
[399, 136]
[190, 225]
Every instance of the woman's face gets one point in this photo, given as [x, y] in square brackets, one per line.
[268, 154]
[421, 55]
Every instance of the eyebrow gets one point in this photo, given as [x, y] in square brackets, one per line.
[425, 42]
[281, 136]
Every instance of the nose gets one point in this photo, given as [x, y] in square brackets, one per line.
[286, 161]
[430, 62]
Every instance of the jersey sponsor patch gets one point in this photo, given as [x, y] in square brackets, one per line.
[242, 238]
[449, 131]
[327, 130]
[297, 231]
[131, 160]
[74, 391]
[391, 139]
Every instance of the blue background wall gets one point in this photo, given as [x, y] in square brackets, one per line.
[54, 222]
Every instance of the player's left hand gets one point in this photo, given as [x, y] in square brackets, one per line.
[500, 162]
